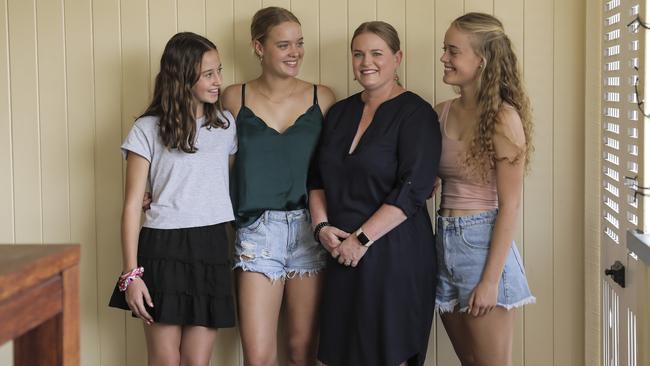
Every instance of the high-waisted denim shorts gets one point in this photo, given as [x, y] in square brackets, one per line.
[463, 244]
[279, 244]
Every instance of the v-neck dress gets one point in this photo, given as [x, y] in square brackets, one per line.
[379, 313]
[270, 171]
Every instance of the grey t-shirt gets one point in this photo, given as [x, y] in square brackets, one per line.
[187, 189]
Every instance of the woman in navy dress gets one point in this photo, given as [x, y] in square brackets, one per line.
[375, 168]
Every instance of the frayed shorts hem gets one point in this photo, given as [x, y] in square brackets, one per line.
[449, 306]
[281, 275]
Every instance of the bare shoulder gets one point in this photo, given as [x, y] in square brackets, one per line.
[439, 107]
[509, 138]
[509, 125]
[231, 99]
[325, 98]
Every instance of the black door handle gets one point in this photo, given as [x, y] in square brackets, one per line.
[617, 273]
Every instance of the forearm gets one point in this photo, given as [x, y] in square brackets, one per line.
[385, 219]
[500, 243]
[317, 206]
[130, 232]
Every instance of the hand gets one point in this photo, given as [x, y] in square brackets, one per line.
[330, 237]
[136, 294]
[483, 298]
[350, 251]
[146, 201]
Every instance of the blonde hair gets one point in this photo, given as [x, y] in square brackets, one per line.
[383, 30]
[267, 18]
[500, 82]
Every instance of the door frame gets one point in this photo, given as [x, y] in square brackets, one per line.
[593, 151]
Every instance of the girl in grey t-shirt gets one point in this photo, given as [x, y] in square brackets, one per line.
[176, 275]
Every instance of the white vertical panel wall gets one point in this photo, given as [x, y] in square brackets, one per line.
[75, 73]
[622, 152]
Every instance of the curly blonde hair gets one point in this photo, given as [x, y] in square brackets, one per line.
[500, 82]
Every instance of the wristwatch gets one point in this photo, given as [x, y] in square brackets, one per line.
[363, 239]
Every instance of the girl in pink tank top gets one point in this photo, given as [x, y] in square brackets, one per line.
[486, 146]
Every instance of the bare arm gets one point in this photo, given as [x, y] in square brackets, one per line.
[325, 98]
[329, 236]
[508, 143]
[137, 170]
[231, 99]
[385, 219]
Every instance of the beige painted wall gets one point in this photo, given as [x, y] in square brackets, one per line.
[74, 73]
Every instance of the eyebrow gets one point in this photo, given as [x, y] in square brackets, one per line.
[287, 41]
[373, 50]
[212, 69]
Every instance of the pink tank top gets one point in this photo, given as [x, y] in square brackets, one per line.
[459, 191]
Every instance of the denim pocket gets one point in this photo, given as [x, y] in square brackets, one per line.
[518, 259]
[255, 226]
[477, 236]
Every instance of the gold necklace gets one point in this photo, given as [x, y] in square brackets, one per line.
[295, 83]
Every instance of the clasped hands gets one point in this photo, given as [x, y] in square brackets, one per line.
[342, 246]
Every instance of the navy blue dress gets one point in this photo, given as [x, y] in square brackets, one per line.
[379, 313]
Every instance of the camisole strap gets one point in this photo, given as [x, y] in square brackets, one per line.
[445, 113]
[315, 94]
[445, 110]
[243, 95]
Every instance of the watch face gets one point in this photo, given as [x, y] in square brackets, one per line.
[363, 239]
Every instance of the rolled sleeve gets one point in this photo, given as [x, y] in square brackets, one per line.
[419, 146]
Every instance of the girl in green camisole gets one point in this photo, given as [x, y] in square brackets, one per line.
[278, 118]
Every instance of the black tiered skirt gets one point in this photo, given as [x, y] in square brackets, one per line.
[187, 272]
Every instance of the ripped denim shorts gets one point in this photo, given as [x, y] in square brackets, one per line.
[463, 244]
[279, 244]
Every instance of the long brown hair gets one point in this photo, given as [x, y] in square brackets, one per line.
[173, 103]
[500, 82]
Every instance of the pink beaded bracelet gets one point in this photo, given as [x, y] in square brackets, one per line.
[126, 279]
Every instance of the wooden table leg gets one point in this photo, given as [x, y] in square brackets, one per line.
[55, 341]
[71, 323]
[41, 346]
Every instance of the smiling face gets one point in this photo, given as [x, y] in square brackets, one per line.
[206, 89]
[373, 62]
[282, 50]
[462, 64]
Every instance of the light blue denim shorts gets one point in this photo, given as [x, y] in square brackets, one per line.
[279, 244]
[462, 245]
